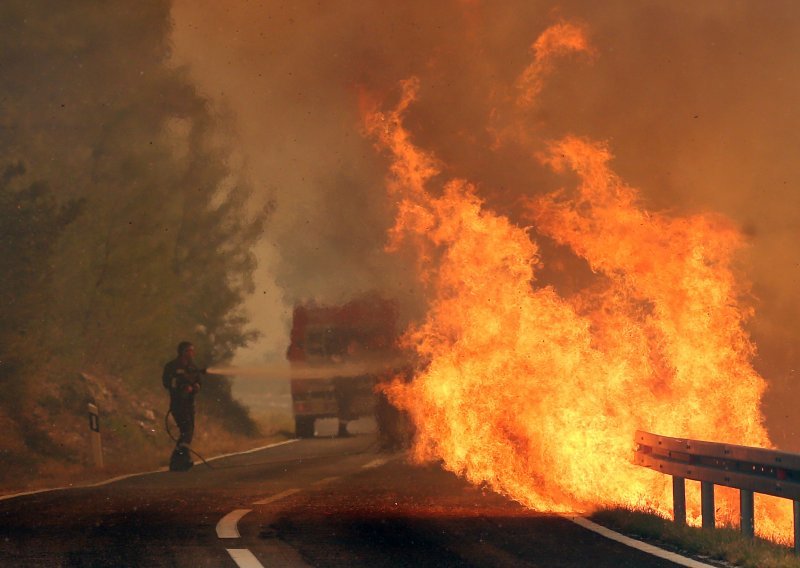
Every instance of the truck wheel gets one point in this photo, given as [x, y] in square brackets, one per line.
[304, 426]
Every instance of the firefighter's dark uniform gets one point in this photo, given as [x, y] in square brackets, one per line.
[183, 382]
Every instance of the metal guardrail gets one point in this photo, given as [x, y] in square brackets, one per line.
[750, 470]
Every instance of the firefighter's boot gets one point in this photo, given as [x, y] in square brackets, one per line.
[181, 459]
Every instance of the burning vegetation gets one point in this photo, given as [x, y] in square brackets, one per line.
[538, 393]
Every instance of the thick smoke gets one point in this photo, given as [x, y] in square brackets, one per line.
[696, 100]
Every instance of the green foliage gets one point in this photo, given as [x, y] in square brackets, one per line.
[129, 232]
[30, 222]
[724, 543]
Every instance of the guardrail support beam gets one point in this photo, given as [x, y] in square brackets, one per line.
[707, 504]
[796, 507]
[746, 507]
[679, 499]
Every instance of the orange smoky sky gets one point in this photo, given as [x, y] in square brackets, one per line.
[696, 101]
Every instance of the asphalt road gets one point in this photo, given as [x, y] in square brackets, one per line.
[321, 502]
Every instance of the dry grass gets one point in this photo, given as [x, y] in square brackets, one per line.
[723, 544]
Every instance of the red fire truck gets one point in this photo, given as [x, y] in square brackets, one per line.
[337, 355]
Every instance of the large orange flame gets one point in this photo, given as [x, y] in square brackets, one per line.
[554, 43]
[675, 318]
[538, 395]
[557, 40]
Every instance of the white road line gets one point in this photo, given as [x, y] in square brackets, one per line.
[325, 481]
[633, 543]
[244, 558]
[275, 445]
[130, 475]
[227, 526]
[375, 463]
[98, 484]
[276, 497]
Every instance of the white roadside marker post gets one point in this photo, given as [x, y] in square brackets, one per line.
[94, 436]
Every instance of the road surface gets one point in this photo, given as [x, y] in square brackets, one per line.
[324, 502]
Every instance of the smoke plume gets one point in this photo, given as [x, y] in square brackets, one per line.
[696, 101]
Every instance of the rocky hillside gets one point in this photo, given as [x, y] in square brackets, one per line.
[47, 442]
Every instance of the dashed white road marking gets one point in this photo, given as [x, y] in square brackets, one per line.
[276, 497]
[227, 526]
[375, 463]
[326, 480]
[633, 543]
[244, 558]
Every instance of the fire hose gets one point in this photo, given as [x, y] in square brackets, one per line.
[175, 439]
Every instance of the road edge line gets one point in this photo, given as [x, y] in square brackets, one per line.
[274, 445]
[130, 475]
[637, 544]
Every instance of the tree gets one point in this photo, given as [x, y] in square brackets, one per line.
[30, 223]
[139, 233]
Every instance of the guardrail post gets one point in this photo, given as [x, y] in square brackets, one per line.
[707, 504]
[94, 435]
[746, 522]
[679, 499]
[796, 507]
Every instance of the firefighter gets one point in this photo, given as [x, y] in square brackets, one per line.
[182, 378]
